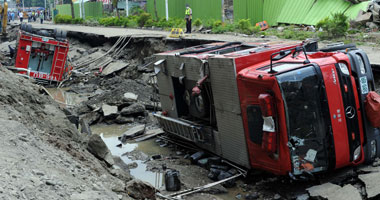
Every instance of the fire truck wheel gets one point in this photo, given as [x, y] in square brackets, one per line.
[23, 26]
[29, 28]
[338, 47]
[63, 34]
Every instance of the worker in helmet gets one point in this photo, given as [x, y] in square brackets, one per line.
[188, 17]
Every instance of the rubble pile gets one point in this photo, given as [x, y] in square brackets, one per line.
[371, 16]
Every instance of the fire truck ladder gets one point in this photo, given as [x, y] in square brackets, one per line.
[60, 58]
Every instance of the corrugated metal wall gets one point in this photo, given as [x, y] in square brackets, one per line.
[255, 10]
[210, 9]
[308, 12]
[295, 11]
[160, 5]
[240, 10]
[92, 9]
[271, 11]
[324, 8]
[205, 9]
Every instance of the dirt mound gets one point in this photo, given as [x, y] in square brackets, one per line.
[43, 154]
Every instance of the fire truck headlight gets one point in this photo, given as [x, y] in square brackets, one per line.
[361, 64]
[357, 153]
[343, 67]
[373, 149]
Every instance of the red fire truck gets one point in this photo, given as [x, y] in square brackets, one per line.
[283, 108]
[41, 54]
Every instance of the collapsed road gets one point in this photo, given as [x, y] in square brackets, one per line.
[123, 99]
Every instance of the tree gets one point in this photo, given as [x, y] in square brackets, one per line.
[155, 9]
[114, 4]
[72, 9]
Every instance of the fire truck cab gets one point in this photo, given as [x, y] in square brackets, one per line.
[304, 112]
[285, 108]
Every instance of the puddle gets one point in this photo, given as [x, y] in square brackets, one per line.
[65, 98]
[109, 134]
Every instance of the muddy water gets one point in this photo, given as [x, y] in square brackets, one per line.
[110, 133]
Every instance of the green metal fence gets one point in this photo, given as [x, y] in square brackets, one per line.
[91, 9]
[210, 9]
[308, 12]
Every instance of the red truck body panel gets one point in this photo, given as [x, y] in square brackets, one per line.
[31, 46]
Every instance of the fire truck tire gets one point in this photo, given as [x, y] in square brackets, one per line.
[23, 27]
[29, 28]
[63, 34]
[338, 47]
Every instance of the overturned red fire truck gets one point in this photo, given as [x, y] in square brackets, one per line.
[41, 54]
[286, 108]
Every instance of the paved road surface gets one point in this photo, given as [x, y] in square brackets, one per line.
[373, 52]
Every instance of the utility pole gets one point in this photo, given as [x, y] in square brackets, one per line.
[23, 7]
[84, 15]
[80, 10]
[126, 8]
[167, 10]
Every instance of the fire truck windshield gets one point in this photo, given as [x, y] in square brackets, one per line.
[303, 94]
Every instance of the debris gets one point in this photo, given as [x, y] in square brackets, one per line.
[371, 182]
[124, 120]
[155, 157]
[363, 17]
[109, 111]
[129, 96]
[99, 149]
[252, 196]
[196, 156]
[133, 132]
[179, 195]
[332, 191]
[149, 134]
[136, 108]
[303, 197]
[114, 67]
[348, 192]
[172, 182]
[224, 175]
[213, 174]
[203, 162]
[323, 190]
[140, 190]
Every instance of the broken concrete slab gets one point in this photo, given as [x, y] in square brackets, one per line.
[99, 149]
[130, 97]
[150, 133]
[133, 132]
[348, 192]
[136, 108]
[91, 56]
[124, 120]
[363, 17]
[114, 67]
[109, 111]
[371, 182]
[323, 190]
[332, 191]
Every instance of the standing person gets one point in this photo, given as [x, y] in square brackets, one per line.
[13, 16]
[42, 17]
[21, 16]
[188, 17]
